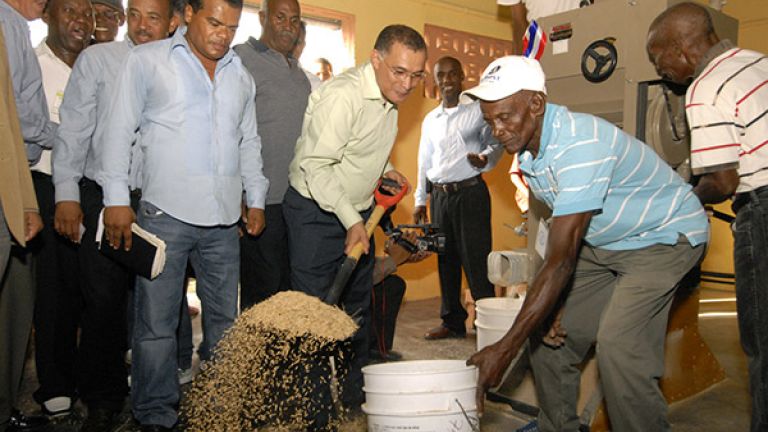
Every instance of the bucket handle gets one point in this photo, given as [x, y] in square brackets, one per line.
[473, 423]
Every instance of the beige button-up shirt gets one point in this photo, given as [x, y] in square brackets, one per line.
[348, 132]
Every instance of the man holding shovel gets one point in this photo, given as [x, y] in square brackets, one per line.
[349, 129]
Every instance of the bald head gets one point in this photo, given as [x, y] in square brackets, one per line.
[684, 21]
[678, 39]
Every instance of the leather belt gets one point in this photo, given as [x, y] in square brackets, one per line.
[457, 186]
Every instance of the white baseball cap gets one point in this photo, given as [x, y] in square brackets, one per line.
[506, 76]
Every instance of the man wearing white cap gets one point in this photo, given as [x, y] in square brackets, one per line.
[625, 229]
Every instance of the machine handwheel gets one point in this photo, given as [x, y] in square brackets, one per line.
[603, 56]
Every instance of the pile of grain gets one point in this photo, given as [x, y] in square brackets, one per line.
[260, 377]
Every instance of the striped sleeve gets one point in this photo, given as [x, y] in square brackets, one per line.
[715, 136]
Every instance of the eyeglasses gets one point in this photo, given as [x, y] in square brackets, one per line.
[401, 74]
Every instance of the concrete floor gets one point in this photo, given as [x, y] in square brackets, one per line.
[723, 407]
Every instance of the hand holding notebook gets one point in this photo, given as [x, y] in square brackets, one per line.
[147, 254]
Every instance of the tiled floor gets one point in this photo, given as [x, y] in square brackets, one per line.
[723, 407]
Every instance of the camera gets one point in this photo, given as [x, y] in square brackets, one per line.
[430, 240]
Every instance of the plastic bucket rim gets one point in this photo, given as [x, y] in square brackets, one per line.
[496, 303]
[434, 413]
[373, 369]
[497, 311]
[421, 391]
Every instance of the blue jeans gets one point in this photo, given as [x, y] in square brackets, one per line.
[215, 256]
[750, 257]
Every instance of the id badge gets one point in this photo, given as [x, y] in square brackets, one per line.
[542, 235]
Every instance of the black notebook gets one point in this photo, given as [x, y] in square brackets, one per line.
[146, 257]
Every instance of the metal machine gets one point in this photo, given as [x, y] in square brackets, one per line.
[596, 62]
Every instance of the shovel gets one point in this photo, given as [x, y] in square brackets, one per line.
[383, 202]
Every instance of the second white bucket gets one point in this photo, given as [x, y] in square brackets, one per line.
[495, 317]
[488, 335]
[495, 314]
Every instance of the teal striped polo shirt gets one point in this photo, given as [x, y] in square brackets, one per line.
[586, 164]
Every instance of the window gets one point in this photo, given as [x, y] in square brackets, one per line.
[329, 35]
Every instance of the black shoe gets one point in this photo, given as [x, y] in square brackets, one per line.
[155, 428]
[390, 356]
[21, 423]
[443, 333]
[100, 420]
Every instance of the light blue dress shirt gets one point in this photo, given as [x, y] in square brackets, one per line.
[586, 164]
[36, 126]
[198, 136]
[88, 95]
[447, 135]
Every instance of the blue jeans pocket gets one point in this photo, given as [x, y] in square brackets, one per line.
[149, 211]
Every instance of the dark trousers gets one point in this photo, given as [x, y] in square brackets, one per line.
[317, 250]
[264, 263]
[465, 218]
[103, 336]
[385, 305]
[750, 247]
[58, 303]
[17, 296]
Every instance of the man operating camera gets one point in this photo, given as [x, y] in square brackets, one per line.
[389, 288]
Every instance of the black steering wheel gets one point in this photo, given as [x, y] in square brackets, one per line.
[603, 57]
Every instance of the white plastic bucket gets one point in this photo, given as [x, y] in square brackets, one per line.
[488, 335]
[497, 312]
[421, 396]
[407, 402]
[419, 376]
[499, 304]
[495, 321]
[425, 421]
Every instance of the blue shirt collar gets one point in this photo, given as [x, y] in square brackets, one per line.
[179, 40]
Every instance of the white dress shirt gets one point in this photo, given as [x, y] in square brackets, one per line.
[55, 76]
[447, 136]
